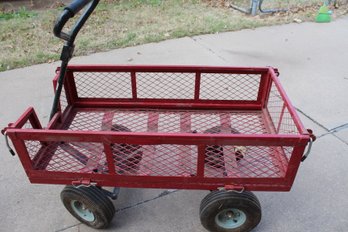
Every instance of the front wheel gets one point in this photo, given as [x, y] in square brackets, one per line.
[223, 211]
[89, 205]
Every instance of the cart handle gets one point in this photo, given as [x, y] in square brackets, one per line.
[68, 48]
[68, 13]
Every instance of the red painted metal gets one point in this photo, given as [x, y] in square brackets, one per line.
[288, 103]
[164, 118]
[171, 68]
[134, 85]
[197, 85]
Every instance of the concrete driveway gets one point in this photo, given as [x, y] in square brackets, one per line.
[312, 59]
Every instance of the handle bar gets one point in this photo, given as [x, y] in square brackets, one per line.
[68, 13]
[68, 49]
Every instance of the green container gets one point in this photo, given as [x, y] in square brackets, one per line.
[323, 18]
[323, 15]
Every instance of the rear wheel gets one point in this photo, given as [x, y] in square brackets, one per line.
[89, 205]
[223, 211]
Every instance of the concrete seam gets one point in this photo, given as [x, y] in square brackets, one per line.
[329, 131]
[208, 49]
[339, 138]
[66, 228]
[312, 119]
[334, 135]
[163, 194]
[339, 128]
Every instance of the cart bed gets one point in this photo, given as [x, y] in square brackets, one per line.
[177, 127]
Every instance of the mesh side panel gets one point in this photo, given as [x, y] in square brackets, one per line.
[68, 157]
[166, 85]
[287, 125]
[229, 86]
[155, 160]
[288, 152]
[63, 100]
[32, 148]
[245, 162]
[127, 157]
[279, 113]
[103, 84]
[161, 160]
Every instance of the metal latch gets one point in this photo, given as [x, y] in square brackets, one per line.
[4, 132]
[232, 188]
[83, 182]
[312, 138]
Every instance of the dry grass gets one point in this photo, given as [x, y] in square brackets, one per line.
[28, 40]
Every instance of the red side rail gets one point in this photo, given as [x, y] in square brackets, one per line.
[135, 101]
[196, 182]
[30, 118]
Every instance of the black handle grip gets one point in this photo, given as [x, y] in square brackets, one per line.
[68, 48]
[68, 13]
[77, 5]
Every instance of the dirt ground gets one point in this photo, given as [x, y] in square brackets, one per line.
[11, 5]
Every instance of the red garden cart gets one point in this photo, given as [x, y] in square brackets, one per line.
[230, 130]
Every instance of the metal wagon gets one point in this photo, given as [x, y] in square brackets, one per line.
[230, 130]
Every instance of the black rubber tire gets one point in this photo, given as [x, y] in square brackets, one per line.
[217, 201]
[94, 200]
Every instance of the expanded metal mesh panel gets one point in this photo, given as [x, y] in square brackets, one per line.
[217, 86]
[287, 125]
[136, 121]
[283, 122]
[86, 121]
[167, 121]
[103, 84]
[202, 122]
[155, 160]
[129, 159]
[160, 160]
[288, 152]
[68, 157]
[166, 85]
[32, 148]
[174, 122]
[248, 123]
[63, 102]
[245, 161]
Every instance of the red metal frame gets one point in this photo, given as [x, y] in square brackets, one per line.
[53, 133]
